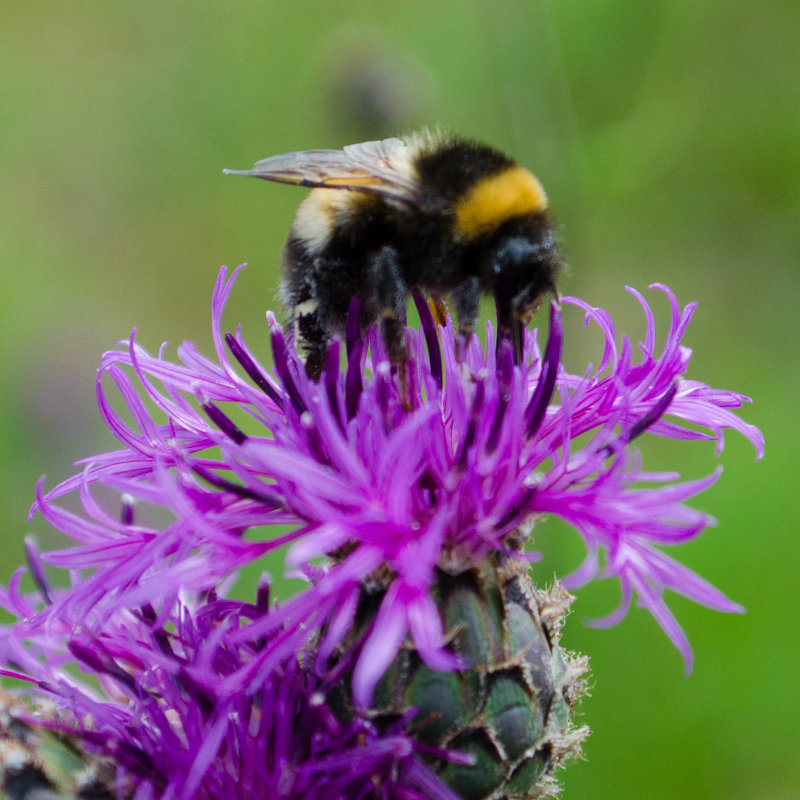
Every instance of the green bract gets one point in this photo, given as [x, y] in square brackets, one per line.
[509, 708]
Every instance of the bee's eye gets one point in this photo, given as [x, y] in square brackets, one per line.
[513, 253]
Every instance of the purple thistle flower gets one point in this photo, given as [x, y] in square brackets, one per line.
[357, 474]
[377, 480]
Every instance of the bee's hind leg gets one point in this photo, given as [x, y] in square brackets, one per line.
[311, 336]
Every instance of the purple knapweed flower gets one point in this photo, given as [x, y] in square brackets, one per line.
[368, 475]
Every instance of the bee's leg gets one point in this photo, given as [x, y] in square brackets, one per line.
[438, 310]
[299, 291]
[309, 334]
[312, 336]
[389, 292]
[467, 298]
[509, 326]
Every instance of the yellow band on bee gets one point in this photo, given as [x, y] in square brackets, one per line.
[492, 201]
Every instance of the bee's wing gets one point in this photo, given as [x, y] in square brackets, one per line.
[381, 167]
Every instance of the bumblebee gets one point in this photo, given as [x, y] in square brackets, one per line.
[445, 215]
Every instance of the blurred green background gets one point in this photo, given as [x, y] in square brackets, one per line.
[668, 138]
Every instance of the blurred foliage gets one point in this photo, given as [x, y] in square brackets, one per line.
[667, 136]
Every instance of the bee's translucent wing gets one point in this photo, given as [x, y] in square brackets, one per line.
[381, 167]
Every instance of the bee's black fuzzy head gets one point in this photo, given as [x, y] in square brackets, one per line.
[521, 266]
